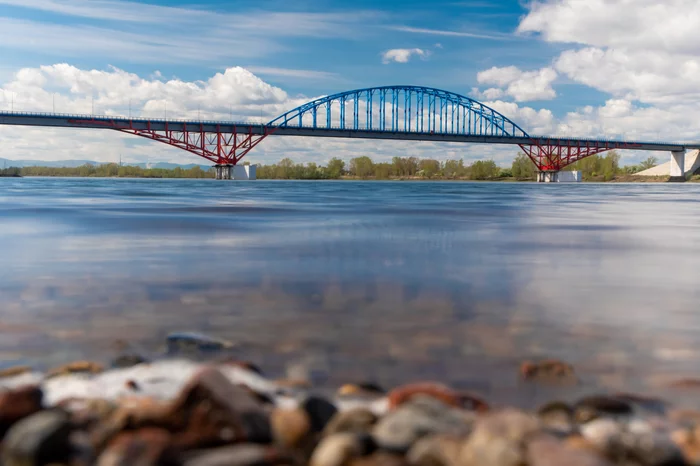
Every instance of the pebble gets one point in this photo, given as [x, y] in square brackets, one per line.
[435, 450]
[17, 404]
[339, 449]
[423, 415]
[194, 342]
[290, 427]
[357, 420]
[246, 454]
[39, 439]
[499, 439]
[143, 447]
[320, 412]
[593, 407]
[548, 451]
[557, 416]
[402, 394]
[548, 371]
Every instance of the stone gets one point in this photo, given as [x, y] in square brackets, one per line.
[144, 447]
[499, 439]
[245, 454]
[77, 367]
[435, 450]
[39, 439]
[128, 360]
[404, 393]
[380, 458]
[187, 342]
[320, 412]
[361, 389]
[340, 449]
[357, 420]
[593, 407]
[550, 371]
[290, 427]
[548, 451]
[211, 411]
[18, 404]
[640, 444]
[399, 429]
[14, 371]
[688, 440]
[644, 403]
[557, 416]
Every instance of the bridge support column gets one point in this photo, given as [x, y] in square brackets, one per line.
[677, 166]
[547, 177]
[224, 172]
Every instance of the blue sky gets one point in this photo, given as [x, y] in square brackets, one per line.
[584, 78]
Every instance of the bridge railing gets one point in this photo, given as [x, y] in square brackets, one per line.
[542, 139]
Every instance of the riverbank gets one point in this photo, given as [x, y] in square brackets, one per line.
[228, 411]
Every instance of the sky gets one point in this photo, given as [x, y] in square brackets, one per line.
[582, 68]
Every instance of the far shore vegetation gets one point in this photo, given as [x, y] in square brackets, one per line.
[594, 168]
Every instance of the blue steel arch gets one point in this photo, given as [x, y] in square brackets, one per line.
[410, 109]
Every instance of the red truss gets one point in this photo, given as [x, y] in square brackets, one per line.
[555, 155]
[223, 147]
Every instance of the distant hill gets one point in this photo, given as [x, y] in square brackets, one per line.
[76, 163]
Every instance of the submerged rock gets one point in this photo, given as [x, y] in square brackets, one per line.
[187, 342]
[39, 439]
[548, 371]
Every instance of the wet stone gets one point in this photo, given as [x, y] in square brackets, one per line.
[435, 450]
[18, 404]
[499, 439]
[357, 420]
[39, 439]
[340, 449]
[399, 429]
[290, 427]
[147, 446]
[320, 412]
[128, 360]
[236, 455]
[548, 451]
[593, 407]
[403, 394]
[193, 343]
[557, 416]
[549, 371]
[77, 367]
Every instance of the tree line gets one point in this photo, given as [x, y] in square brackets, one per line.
[594, 168]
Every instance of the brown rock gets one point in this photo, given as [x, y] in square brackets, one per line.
[18, 404]
[357, 420]
[290, 427]
[340, 449]
[402, 394]
[76, 367]
[211, 411]
[245, 454]
[688, 440]
[435, 450]
[361, 389]
[499, 439]
[379, 458]
[143, 447]
[548, 451]
[14, 371]
[593, 407]
[557, 416]
[548, 371]
[39, 439]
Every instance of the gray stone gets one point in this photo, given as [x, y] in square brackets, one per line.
[235, 455]
[421, 416]
[435, 450]
[356, 420]
[39, 439]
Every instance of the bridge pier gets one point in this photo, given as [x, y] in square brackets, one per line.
[547, 177]
[224, 172]
[677, 166]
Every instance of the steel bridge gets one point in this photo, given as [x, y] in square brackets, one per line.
[392, 112]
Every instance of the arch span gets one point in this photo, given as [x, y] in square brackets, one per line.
[400, 109]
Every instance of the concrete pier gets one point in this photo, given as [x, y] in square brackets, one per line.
[547, 177]
[677, 166]
[224, 172]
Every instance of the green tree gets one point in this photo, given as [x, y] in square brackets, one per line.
[453, 169]
[382, 171]
[650, 162]
[335, 168]
[429, 167]
[523, 168]
[362, 167]
[484, 170]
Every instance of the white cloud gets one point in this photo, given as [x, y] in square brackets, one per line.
[403, 55]
[444, 32]
[522, 86]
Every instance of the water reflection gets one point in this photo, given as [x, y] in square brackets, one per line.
[385, 281]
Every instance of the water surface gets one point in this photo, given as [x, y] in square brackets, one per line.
[388, 281]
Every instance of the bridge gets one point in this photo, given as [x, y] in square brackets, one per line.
[410, 113]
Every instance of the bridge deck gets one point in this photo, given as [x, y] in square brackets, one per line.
[109, 122]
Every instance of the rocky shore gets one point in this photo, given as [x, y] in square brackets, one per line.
[227, 412]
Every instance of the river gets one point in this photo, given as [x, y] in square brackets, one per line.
[342, 281]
